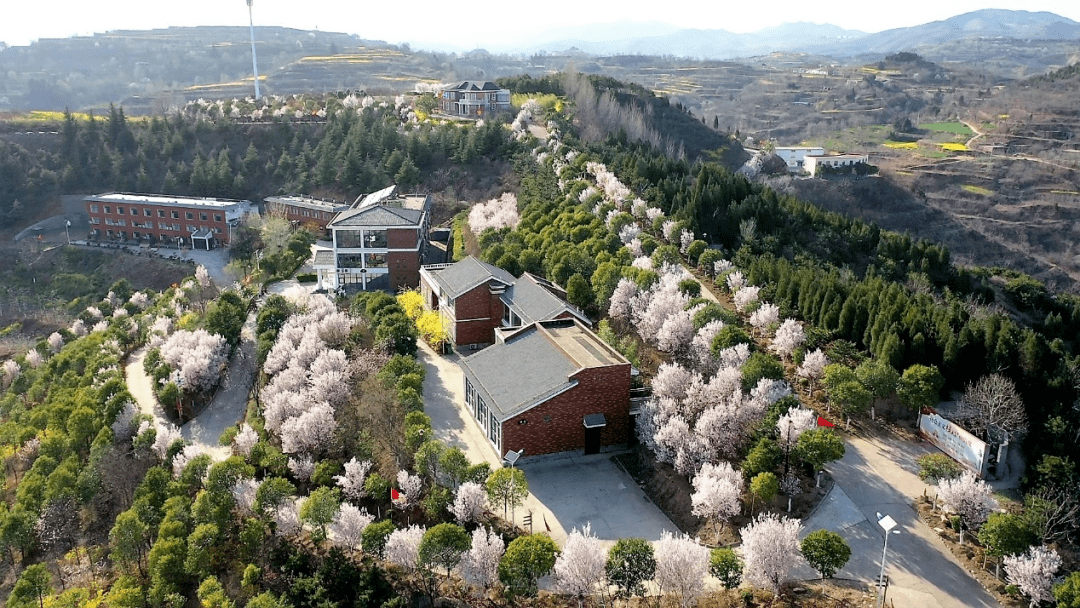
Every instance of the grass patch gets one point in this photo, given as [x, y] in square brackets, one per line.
[977, 190]
[459, 236]
[952, 147]
[957, 128]
[900, 145]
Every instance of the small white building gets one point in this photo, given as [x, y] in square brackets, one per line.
[832, 161]
[795, 156]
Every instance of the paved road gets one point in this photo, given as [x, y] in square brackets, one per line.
[565, 492]
[876, 477]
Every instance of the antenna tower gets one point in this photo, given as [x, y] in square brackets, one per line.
[254, 62]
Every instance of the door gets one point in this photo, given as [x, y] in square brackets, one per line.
[592, 440]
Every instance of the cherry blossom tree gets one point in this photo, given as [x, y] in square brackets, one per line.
[813, 366]
[140, 299]
[672, 381]
[56, 342]
[735, 281]
[409, 487]
[165, 435]
[245, 440]
[202, 275]
[244, 492]
[9, 372]
[676, 334]
[789, 336]
[183, 457]
[701, 346]
[123, 426]
[664, 303]
[733, 357]
[579, 569]
[496, 213]
[1033, 572]
[334, 329]
[619, 304]
[794, 423]
[770, 546]
[469, 502]
[302, 467]
[79, 328]
[717, 491]
[480, 565]
[968, 497]
[403, 547]
[348, 526]
[352, 482]
[310, 432]
[286, 517]
[198, 355]
[34, 358]
[681, 567]
[764, 317]
[720, 431]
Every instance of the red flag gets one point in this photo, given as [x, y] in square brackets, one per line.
[821, 421]
[394, 494]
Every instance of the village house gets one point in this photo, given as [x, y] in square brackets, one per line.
[159, 219]
[475, 299]
[549, 386]
[305, 210]
[474, 99]
[813, 164]
[378, 243]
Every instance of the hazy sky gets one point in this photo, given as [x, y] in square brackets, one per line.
[417, 21]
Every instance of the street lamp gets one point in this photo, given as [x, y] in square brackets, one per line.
[67, 230]
[887, 523]
[511, 458]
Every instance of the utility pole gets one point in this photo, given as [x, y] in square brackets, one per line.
[254, 63]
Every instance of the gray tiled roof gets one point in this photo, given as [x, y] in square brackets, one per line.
[465, 275]
[513, 376]
[471, 85]
[378, 216]
[324, 258]
[532, 302]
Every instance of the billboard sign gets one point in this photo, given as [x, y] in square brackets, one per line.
[966, 448]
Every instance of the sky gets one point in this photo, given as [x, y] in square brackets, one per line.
[419, 22]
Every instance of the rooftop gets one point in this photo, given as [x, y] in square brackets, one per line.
[536, 363]
[461, 277]
[534, 299]
[164, 199]
[472, 85]
[307, 202]
[377, 210]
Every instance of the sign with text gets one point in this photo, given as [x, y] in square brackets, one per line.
[966, 448]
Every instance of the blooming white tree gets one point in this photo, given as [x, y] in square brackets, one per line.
[668, 230]
[469, 502]
[721, 267]
[286, 517]
[579, 569]
[94, 312]
[681, 567]
[497, 213]
[409, 487]
[686, 238]
[701, 347]
[202, 275]
[968, 497]
[794, 423]
[480, 564]
[1033, 572]
[244, 493]
[619, 303]
[676, 333]
[165, 435]
[34, 358]
[403, 546]
[765, 316]
[352, 482]
[735, 281]
[123, 426]
[348, 526]
[310, 432]
[813, 366]
[9, 372]
[717, 491]
[302, 467]
[184, 457]
[770, 547]
[79, 328]
[789, 336]
[245, 440]
[672, 381]
[198, 355]
[56, 342]
[140, 299]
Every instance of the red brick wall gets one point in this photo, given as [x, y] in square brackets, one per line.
[557, 425]
[479, 304]
[155, 218]
[404, 268]
[401, 238]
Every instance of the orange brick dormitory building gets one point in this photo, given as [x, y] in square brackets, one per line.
[158, 219]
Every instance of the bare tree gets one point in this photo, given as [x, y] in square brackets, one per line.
[992, 409]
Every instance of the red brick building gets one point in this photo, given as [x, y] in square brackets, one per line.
[158, 219]
[476, 298]
[551, 386]
[379, 243]
[305, 210]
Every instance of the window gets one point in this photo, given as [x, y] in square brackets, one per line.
[134, 211]
[93, 208]
[147, 213]
[108, 209]
[95, 220]
[191, 228]
[495, 433]
[375, 260]
[135, 234]
[217, 217]
[347, 239]
[349, 260]
[120, 211]
[175, 215]
[161, 213]
[189, 215]
[202, 216]
[374, 238]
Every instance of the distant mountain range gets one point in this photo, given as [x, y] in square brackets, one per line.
[625, 38]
